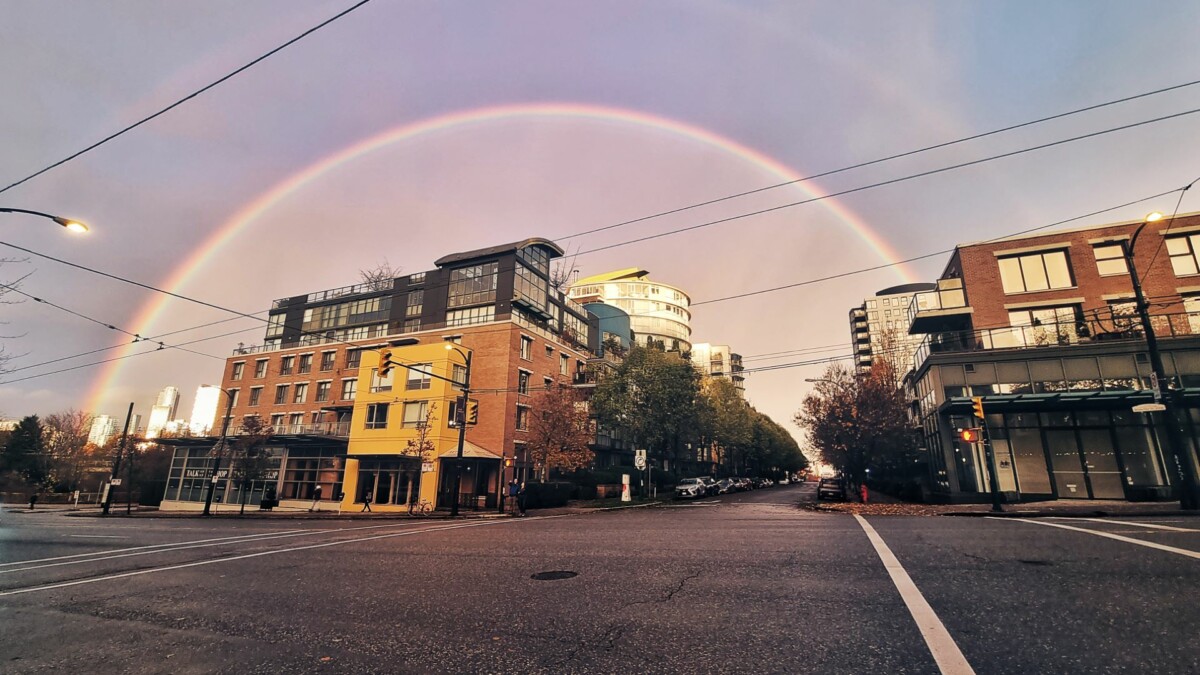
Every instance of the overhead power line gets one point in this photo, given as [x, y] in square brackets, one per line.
[880, 160]
[189, 97]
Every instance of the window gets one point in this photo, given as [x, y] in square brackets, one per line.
[1036, 272]
[548, 382]
[277, 421]
[411, 325]
[237, 370]
[323, 390]
[281, 393]
[305, 363]
[1124, 315]
[527, 348]
[1185, 254]
[377, 414]
[327, 360]
[522, 382]
[416, 299]
[470, 317]
[522, 418]
[563, 364]
[301, 393]
[460, 374]
[349, 389]
[255, 395]
[1047, 325]
[233, 397]
[1110, 259]
[530, 288]
[1191, 305]
[549, 352]
[382, 383]
[286, 365]
[260, 369]
[473, 285]
[414, 414]
[353, 357]
[275, 325]
[419, 376]
[295, 420]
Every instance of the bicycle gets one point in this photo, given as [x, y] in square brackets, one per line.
[422, 507]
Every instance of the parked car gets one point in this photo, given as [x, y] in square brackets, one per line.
[726, 486]
[712, 488]
[831, 488]
[691, 488]
[783, 481]
[745, 483]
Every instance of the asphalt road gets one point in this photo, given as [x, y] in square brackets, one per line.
[744, 583]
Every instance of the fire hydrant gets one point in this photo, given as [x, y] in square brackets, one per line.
[863, 490]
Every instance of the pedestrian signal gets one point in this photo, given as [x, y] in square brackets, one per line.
[977, 406]
[385, 363]
[969, 435]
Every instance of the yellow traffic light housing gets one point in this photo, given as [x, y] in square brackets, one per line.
[977, 406]
[472, 412]
[385, 363]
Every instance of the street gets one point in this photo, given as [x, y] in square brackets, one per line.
[741, 583]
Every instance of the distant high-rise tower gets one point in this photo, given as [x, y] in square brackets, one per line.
[879, 328]
[163, 411]
[104, 427]
[204, 410]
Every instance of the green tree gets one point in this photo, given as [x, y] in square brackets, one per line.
[25, 453]
[652, 398]
[251, 458]
[726, 420]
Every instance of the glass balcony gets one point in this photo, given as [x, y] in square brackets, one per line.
[940, 310]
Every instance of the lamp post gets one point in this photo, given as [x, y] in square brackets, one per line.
[212, 483]
[71, 225]
[1189, 494]
[462, 428]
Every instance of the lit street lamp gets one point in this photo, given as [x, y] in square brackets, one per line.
[1189, 492]
[212, 483]
[462, 429]
[71, 225]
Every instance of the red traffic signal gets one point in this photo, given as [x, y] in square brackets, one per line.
[969, 435]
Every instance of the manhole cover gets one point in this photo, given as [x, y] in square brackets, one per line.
[554, 575]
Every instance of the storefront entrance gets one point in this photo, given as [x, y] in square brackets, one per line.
[477, 483]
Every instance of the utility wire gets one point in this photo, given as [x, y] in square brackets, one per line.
[189, 97]
[893, 181]
[888, 158]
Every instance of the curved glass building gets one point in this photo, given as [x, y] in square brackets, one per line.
[657, 311]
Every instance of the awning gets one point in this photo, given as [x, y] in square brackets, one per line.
[470, 451]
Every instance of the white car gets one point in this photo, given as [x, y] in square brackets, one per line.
[690, 488]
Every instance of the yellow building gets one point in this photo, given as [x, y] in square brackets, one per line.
[401, 425]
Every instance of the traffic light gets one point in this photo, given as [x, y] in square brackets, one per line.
[472, 412]
[385, 363]
[977, 406]
[969, 435]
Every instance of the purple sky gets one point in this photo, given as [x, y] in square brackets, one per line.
[813, 85]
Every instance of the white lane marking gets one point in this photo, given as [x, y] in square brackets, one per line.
[1153, 526]
[139, 548]
[98, 536]
[211, 561]
[1109, 535]
[947, 655]
[102, 555]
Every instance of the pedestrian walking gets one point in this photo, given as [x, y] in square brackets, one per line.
[32, 500]
[514, 489]
[521, 499]
[316, 499]
[366, 502]
[864, 493]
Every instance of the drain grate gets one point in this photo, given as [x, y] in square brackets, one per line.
[554, 575]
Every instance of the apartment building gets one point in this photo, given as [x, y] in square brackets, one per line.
[312, 382]
[719, 361]
[657, 312]
[879, 326]
[1045, 330]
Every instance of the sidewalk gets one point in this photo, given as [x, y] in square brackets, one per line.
[883, 505]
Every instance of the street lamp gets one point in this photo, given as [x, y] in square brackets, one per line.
[462, 427]
[212, 483]
[1189, 493]
[71, 225]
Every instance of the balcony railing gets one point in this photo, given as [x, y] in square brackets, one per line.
[356, 289]
[317, 429]
[1105, 328]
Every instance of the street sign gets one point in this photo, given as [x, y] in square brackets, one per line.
[639, 459]
[116, 482]
[426, 467]
[1149, 408]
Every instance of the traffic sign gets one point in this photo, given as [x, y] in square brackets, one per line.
[116, 481]
[639, 458]
[1149, 408]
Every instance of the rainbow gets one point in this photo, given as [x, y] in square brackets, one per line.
[186, 270]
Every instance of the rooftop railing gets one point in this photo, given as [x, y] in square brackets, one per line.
[366, 287]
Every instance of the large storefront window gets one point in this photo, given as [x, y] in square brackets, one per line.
[305, 469]
[389, 480]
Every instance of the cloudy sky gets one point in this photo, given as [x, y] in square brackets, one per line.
[408, 130]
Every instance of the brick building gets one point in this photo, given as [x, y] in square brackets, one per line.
[1045, 329]
[305, 381]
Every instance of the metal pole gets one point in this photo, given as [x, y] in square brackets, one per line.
[1189, 493]
[117, 462]
[993, 477]
[129, 480]
[462, 436]
[212, 483]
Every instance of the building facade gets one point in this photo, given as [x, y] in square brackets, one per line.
[333, 424]
[163, 411]
[103, 428]
[879, 326]
[719, 361]
[657, 312]
[1043, 328]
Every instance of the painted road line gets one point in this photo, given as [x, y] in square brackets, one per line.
[99, 536]
[259, 554]
[947, 655]
[1109, 535]
[1153, 526]
[98, 556]
[139, 548]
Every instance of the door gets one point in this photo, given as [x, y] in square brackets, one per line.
[1100, 463]
[1070, 481]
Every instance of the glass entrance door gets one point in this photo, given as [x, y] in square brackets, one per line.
[1070, 481]
[1100, 462]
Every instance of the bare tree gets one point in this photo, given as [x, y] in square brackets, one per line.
[562, 274]
[66, 437]
[421, 446]
[380, 276]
